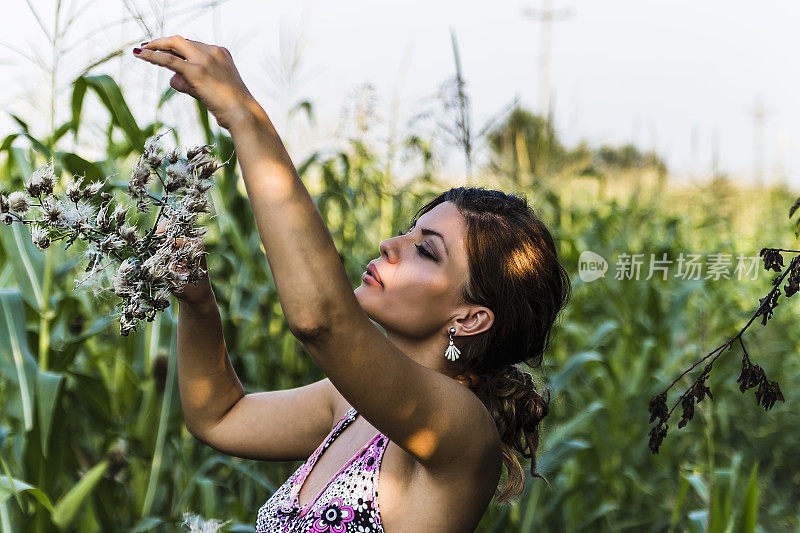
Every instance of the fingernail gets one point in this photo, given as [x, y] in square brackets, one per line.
[144, 43]
[137, 50]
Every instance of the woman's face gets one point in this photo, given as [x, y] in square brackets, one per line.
[420, 293]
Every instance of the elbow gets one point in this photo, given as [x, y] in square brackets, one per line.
[309, 331]
[196, 433]
[324, 321]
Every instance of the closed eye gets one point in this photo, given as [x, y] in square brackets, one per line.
[424, 252]
[420, 249]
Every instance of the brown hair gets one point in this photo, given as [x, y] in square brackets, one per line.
[514, 270]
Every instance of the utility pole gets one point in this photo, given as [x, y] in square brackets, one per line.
[547, 15]
[759, 114]
[715, 153]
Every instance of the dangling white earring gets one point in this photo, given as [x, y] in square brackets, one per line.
[452, 352]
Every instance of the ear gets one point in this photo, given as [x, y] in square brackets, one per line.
[477, 320]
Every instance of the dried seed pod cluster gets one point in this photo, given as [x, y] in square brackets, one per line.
[751, 376]
[149, 267]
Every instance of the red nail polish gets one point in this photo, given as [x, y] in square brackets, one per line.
[137, 50]
[144, 43]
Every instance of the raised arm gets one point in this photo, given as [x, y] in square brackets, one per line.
[416, 407]
[207, 382]
[271, 425]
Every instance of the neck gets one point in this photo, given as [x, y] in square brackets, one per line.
[427, 352]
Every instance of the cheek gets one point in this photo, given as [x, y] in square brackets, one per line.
[409, 289]
[423, 294]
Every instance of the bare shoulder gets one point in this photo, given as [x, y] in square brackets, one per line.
[481, 453]
[467, 483]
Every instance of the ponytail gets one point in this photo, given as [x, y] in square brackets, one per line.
[517, 408]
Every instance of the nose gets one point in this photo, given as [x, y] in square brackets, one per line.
[388, 248]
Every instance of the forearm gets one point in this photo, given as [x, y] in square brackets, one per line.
[208, 384]
[308, 272]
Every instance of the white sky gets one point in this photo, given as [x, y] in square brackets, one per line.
[669, 75]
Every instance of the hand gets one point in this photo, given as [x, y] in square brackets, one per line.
[203, 71]
[191, 292]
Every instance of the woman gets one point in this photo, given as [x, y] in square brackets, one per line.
[471, 289]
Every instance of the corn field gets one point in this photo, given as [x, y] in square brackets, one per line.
[92, 436]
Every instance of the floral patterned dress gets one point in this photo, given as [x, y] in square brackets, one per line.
[347, 504]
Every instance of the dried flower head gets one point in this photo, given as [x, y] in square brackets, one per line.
[54, 214]
[793, 281]
[121, 281]
[129, 234]
[196, 524]
[765, 309]
[93, 188]
[112, 243]
[751, 375]
[687, 402]
[18, 202]
[140, 176]
[149, 267]
[40, 237]
[177, 176]
[658, 407]
[153, 152]
[74, 191]
[103, 221]
[119, 215]
[773, 260]
[173, 155]
[42, 181]
[201, 149]
[657, 435]
[161, 299]
[768, 393]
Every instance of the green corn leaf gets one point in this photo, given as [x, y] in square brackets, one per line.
[16, 362]
[166, 96]
[750, 504]
[38, 145]
[205, 123]
[557, 454]
[60, 132]
[8, 141]
[146, 524]
[574, 365]
[676, 511]
[10, 486]
[48, 385]
[68, 506]
[78, 166]
[19, 158]
[306, 106]
[111, 96]
[27, 261]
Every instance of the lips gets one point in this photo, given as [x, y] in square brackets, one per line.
[372, 271]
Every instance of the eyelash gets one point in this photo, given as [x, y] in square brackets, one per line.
[420, 249]
[424, 252]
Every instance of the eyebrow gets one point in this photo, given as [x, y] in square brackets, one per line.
[427, 231]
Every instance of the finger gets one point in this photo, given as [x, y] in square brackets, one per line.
[175, 44]
[203, 47]
[179, 84]
[162, 225]
[162, 59]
